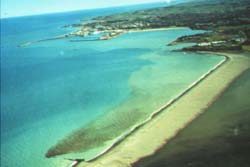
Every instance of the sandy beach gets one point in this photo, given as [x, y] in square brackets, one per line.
[157, 29]
[121, 32]
[218, 137]
[168, 123]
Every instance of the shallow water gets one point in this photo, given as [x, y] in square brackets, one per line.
[51, 89]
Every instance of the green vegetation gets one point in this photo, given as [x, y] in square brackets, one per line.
[223, 38]
[228, 22]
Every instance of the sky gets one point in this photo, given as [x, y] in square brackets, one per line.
[12, 8]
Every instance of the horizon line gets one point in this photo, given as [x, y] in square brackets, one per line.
[66, 11]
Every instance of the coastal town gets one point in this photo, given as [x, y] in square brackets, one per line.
[223, 33]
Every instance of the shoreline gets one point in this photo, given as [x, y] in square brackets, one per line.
[121, 32]
[157, 29]
[221, 128]
[138, 103]
[155, 113]
[105, 155]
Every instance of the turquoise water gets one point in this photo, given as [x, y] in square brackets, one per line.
[165, 75]
[53, 88]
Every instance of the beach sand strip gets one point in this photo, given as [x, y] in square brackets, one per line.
[157, 132]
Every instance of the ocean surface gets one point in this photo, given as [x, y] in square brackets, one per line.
[78, 97]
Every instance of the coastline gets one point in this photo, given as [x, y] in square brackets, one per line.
[222, 131]
[158, 111]
[157, 29]
[121, 32]
[123, 155]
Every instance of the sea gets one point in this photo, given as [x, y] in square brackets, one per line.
[71, 98]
